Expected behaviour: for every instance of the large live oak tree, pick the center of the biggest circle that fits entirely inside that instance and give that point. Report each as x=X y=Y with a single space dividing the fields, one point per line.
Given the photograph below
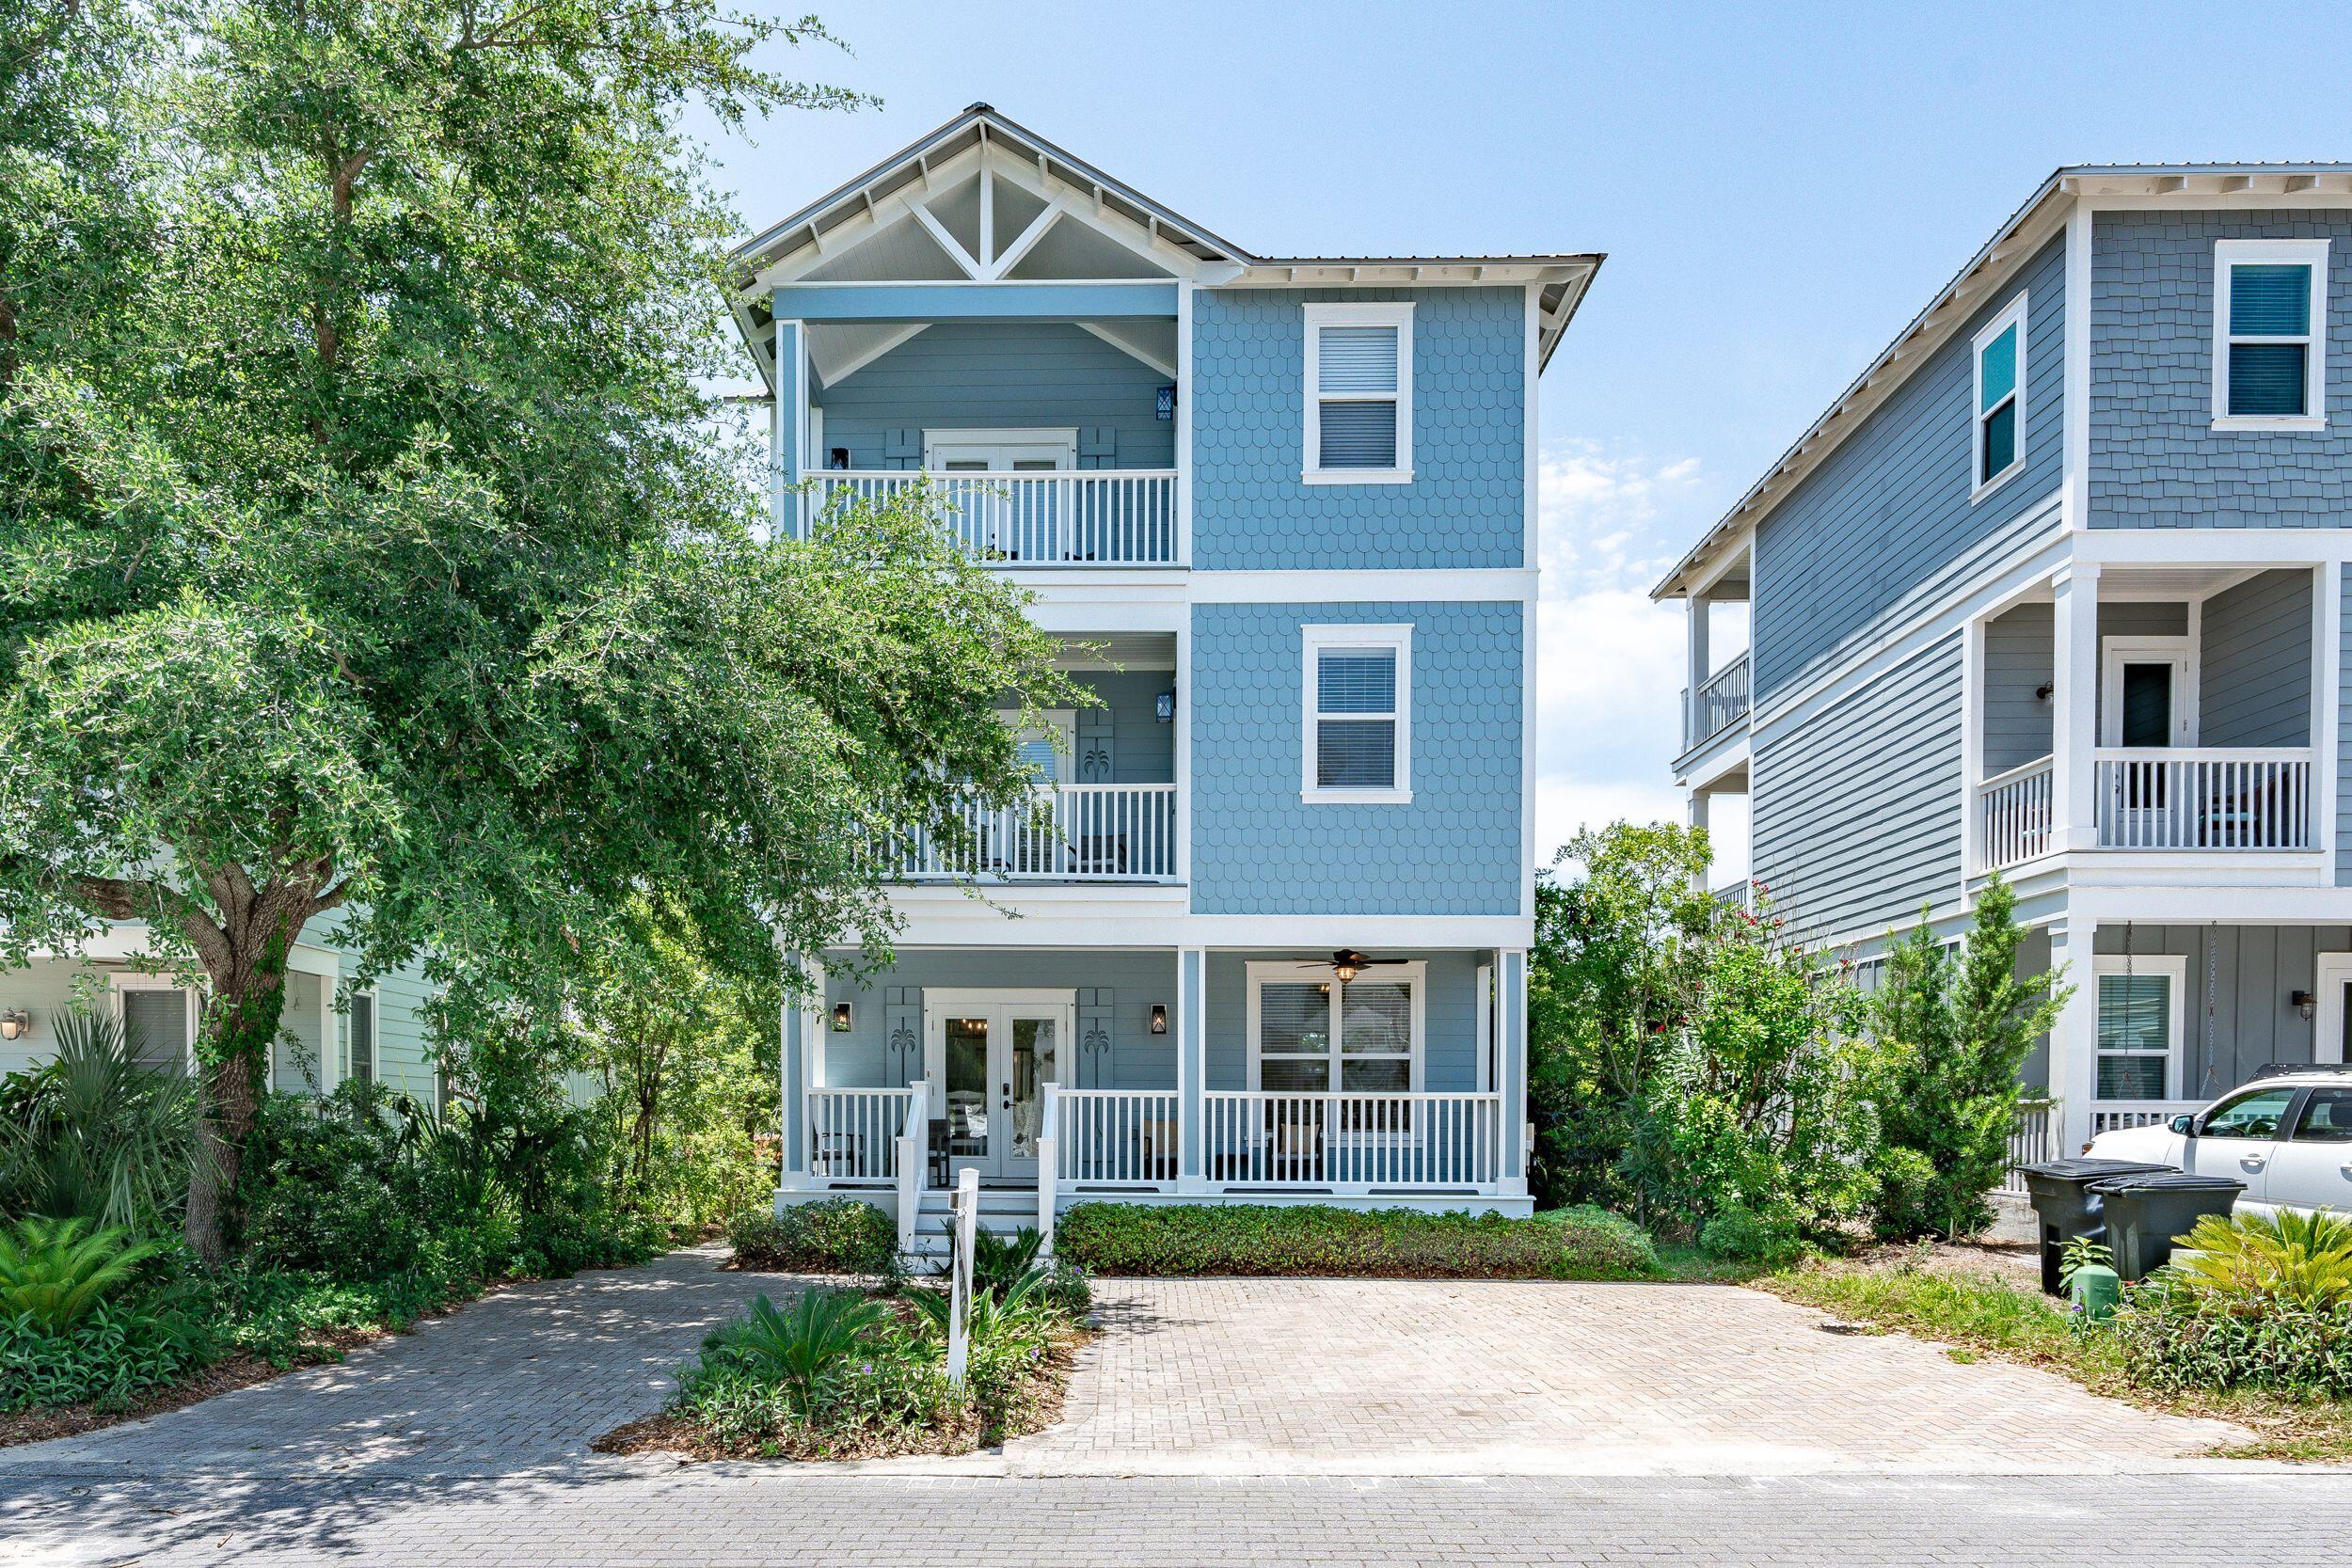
x=372 y=550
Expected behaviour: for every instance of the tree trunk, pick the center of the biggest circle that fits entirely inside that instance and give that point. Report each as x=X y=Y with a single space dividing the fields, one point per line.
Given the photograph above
x=241 y=1019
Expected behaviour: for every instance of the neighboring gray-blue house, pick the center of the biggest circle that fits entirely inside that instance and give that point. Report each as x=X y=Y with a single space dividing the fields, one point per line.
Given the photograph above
x=1271 y=938
x=2056 y=590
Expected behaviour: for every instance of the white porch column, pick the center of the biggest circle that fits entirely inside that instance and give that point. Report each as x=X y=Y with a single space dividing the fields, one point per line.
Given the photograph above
x=1702 y=801
x=1511 y=1004
x=788 y=431
x=2074 y=716
x=1701 y=666
x=2075 y=1037
x=803 y=1039
x=1192 y=968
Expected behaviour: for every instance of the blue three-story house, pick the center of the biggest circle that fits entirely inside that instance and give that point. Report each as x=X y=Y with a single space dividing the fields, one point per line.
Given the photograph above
x=1270 y=942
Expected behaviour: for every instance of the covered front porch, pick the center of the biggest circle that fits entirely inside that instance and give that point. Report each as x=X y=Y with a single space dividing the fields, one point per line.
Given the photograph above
x=1162 y=1075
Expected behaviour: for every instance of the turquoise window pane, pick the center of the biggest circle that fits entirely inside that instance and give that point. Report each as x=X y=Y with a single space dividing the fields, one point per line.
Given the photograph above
x=2268 y=378
x=2270 y=300
x=2000 y=441
x=1996 y=370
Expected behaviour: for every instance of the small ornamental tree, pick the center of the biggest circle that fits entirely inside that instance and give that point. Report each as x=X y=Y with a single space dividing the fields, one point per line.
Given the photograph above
x=1953 y=1027
x=372 y=551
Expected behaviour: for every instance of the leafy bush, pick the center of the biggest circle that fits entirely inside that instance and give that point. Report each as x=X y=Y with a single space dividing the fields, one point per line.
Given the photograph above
x=112 y=1354
x=2260 y=1300
x=54 y=1272
x=1265 y=1239
x=2256 y=1262
x=94 y=1133
x=798 y=1349
x=836 y=1235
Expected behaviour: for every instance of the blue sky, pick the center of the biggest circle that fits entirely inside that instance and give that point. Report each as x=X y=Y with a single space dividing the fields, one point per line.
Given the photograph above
x=1778 y=190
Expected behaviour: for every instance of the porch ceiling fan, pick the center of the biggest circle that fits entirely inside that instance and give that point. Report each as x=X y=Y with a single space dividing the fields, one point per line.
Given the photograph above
x=1347 y=962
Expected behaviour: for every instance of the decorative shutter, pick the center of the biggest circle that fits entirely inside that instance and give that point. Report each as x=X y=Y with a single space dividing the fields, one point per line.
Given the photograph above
x=902 y=448
x=1095 y=1034
x=1098 y=447
x=1095 y=761
x=902 y=1035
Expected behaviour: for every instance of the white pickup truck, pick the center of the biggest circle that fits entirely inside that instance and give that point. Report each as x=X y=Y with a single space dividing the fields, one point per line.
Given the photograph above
x=2287 y=1135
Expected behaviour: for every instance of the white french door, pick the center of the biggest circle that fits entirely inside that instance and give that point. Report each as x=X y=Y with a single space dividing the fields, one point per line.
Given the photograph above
x=988 y=1054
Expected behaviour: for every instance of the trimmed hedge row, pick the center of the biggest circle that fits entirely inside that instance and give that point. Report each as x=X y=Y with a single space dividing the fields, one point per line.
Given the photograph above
x=835 y=1235
x=1401 y=1243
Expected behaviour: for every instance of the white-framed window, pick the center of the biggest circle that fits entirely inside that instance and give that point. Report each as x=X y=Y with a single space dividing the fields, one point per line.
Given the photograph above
x=1996 y=442
x=1358 y=718
x=1360 y=394
x=359 y=1057
x=2269 y=334
x=2140 y=1001
x=158 y=1016
x=1310 y=1032
x=1050 y=750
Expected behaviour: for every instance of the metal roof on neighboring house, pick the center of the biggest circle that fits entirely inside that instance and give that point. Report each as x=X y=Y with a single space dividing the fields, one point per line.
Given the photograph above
x=1997 y=260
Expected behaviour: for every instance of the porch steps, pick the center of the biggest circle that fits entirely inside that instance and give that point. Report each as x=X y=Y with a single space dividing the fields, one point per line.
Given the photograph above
x=1003 y=1211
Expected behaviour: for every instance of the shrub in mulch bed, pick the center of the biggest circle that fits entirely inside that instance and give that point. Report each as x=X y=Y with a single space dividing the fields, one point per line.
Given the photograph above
x=835 y=1235
x=1318 y=1240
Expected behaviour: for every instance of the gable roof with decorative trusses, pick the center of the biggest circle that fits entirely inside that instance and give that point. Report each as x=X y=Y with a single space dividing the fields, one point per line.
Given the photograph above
x=983 y=200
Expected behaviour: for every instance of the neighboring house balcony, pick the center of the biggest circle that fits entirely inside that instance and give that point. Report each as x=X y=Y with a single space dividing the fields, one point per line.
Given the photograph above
x=1722 y=701
x=1720 y=695
x=2168 y=714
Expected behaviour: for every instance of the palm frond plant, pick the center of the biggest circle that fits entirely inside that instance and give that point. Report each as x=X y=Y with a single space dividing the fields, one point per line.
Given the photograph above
x=99 y=1134
x=800 y=1346
x=2243 y=1262
x=56 y=1271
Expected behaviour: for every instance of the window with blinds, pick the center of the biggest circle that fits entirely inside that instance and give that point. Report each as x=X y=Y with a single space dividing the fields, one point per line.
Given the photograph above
x=2135 y=1035
x=155 y=1027
x=1359 y=393
x=1355 y=718
x=2269 y=315
x=1998 y=442
x=363 y=1036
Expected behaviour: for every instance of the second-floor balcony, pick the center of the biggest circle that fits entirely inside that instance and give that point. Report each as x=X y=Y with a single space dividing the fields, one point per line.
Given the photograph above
x=1722 y=701
x=1045 y=517
x=2195 y=722
x=1069 y=832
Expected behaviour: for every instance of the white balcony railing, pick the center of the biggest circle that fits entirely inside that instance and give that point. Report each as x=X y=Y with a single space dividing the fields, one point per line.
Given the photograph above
x=1722 y=702
x=1116 y=1137
x=1352 y=1142
x=1070 y=833
x=2013 y=814
x=1064 y=518
x=853 y=1133
x=2108 y=1116
x=2204 y=798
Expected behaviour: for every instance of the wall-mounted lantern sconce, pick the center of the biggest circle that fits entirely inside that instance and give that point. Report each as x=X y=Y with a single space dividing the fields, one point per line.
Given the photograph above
x=2042 y=693
x=13 y=1023
x=1159 y=1018
x=1164 y=403
x=1164 y=707
x=2305 y=1004
x=841 y=1018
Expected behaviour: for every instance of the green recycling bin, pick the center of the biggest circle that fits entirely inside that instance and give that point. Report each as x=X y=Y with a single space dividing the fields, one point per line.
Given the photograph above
x=2147 y=1212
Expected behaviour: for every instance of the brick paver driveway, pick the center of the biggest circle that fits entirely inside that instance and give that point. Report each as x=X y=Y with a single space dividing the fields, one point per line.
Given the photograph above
x=1216 y=1377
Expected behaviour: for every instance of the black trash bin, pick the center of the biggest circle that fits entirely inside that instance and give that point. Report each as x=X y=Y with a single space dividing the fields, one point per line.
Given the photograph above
x=2066 y=1206
x=2145 y=1211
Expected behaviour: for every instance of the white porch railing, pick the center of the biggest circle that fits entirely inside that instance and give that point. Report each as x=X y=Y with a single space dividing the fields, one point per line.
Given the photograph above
x=1065 y=517
x=2107 y=1116
x=2204 y=798
x=1116 y=1137
x=853 y=1133
x=2013 y=814
x=2032 y=1139
x=1073 y=834
x=1720 y=702
x=1352 y=1142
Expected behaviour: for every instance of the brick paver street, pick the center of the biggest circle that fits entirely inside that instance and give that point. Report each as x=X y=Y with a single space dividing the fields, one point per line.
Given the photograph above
x=1213 y=1421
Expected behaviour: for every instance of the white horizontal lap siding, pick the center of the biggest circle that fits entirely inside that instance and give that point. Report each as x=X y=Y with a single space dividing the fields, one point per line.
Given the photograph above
x=2255 y=684
x=403 y=1058
x=1854 y=819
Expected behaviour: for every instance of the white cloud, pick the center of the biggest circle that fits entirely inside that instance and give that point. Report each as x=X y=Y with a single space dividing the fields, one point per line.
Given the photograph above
x=1612 y=662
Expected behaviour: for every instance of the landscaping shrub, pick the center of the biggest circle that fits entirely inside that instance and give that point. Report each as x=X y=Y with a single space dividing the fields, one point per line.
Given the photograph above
x=108 y=1358
x=92 y=1133
x=54 y=1272
x=835 y=1235
x=1266 y=1239
x=2259 y=1300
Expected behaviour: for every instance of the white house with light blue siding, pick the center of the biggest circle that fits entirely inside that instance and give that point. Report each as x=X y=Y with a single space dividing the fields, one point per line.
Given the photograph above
x=1268 y=937
x=2056 y=590
x=329 y=1031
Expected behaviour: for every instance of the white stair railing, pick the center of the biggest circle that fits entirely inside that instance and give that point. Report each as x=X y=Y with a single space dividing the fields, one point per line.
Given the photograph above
x=1062 y=518
x=915 y=1135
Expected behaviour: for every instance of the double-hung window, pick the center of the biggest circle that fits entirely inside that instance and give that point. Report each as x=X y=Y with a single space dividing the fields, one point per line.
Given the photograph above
x=1360 y=394
x=2140 y=1026
x=1997 y=445
x=1310 y=1032
x=362 y=1066
x=2269 y=334
x=1357 y=725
